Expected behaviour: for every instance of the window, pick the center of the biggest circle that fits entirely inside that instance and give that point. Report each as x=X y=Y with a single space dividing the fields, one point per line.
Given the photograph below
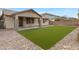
x=30 y=20
x=44 y=20
x=27 y=20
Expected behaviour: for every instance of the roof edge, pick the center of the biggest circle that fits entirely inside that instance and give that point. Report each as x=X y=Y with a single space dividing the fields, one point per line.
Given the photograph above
x=27 y=10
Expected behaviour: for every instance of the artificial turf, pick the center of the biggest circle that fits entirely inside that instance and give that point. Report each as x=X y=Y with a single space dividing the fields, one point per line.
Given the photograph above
x=48 y=36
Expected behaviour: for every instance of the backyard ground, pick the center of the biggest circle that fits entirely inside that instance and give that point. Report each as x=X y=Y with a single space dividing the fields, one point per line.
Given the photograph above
x=48 y=36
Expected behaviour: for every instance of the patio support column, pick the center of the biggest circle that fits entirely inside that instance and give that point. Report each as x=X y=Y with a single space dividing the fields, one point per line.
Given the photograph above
x=39 y=22
x=16 y=22
x=24 y=21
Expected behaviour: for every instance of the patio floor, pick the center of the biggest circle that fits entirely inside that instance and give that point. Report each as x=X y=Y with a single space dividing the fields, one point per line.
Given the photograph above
x=11 y=40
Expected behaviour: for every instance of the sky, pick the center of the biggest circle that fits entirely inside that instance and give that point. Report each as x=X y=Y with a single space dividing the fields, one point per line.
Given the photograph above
x=68 y=12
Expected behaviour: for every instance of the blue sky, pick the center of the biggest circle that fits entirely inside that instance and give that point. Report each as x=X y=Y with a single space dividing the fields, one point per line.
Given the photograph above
x=68 y=12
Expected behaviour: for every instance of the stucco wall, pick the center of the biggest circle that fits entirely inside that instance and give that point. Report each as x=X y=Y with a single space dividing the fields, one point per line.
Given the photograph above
x=9 y=22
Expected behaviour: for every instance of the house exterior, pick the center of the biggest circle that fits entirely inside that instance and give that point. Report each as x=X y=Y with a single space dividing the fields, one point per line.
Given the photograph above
x=49 y=16
x=22 y=19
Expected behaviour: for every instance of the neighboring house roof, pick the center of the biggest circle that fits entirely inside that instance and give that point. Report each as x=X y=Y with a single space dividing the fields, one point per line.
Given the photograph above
x=9 y=12
x=48 y=15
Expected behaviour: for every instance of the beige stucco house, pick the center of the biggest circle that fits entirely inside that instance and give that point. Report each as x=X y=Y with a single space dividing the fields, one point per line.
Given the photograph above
x=22 y=19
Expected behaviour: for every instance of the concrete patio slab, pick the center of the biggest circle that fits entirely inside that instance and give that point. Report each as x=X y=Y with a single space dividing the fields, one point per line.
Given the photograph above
x=11 y=40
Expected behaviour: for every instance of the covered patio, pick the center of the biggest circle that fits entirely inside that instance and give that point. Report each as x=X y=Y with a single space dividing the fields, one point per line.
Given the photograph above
x=27 y=22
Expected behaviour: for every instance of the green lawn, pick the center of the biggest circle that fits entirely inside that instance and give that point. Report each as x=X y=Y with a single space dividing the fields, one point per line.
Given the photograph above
x=47 y=37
